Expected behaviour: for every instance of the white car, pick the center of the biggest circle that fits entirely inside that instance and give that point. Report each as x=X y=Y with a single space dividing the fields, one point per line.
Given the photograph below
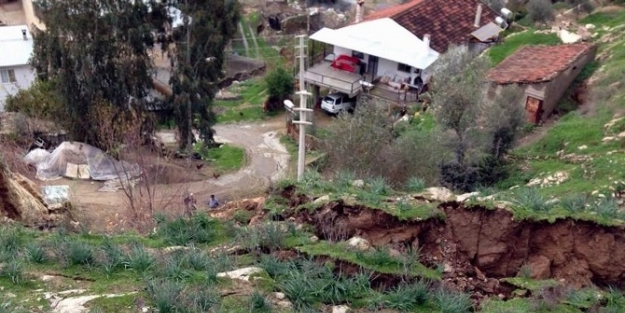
x=337 y=102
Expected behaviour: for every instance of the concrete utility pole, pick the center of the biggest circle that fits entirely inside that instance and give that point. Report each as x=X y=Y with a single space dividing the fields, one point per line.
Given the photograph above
x=303 y=93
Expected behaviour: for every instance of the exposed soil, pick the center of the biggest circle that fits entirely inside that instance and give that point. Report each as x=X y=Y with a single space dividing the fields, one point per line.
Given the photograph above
x=483 y=244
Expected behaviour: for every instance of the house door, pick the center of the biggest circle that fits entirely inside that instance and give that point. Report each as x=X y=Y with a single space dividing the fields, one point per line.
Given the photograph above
x=373 y=66
x=534 y=109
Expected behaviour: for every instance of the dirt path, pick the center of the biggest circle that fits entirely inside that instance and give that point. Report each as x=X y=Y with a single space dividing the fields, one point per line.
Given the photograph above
x=267 y=159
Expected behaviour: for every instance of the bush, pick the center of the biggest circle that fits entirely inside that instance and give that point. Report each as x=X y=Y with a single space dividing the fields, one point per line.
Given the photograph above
x=201 y=299
x=199 y=229
x=243 y=217
x=174 y=268
x=139 y=259
x=76 y=252
x=165 y=295
x=280 y=84
x=41 y=100
x=198 y=260
x=415 y=184
x=530 y=199
x=259 y=304
x=452 y=302
x=540 y=11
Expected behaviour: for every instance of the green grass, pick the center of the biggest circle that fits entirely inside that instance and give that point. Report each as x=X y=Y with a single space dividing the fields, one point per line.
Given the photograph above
x=378 y=262
x=513 y=42
x=524 y=305
x=226 y=158
x=530 y=284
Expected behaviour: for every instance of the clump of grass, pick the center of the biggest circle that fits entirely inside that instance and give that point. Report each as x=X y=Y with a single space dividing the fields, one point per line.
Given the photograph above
x=269 y=236
x=259 y=304
x=198 y=260
x=607 y=208
x=311 y=181
x=199 y=229
x=415 y=184
x=165 y=295
x=407 y=297
x=379 y=186
x=344 y=179
x=10 y=240
x=201 y=299
x=140 y=260
x=242 y=217
x=530 y=199
x=274 y=267
x=574 y=203
x=35 y=253
x=174 y=269
x=525 y=272
x=452 y=302
x=14 y=271
x=112 y=257
x=75 y=252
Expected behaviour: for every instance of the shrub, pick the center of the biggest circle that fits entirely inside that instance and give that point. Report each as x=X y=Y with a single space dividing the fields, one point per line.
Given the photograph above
x=10 y=240
x=452 y=302
x=407 y=297
x=201 y=299
x=298 y=289
x=14 y=271
x=274 y=267
x=540 y=11
x=39 y=101
x=243 y=217
x=280 y=84
x=268 y=236
x=174 y=269
x=35 y=253
x=113 y=257
x=607 y=208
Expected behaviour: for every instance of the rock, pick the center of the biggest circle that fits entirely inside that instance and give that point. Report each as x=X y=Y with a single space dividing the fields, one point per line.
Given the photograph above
x=568 y=37
x=438 y=194
x=241 y=274
x=608 y=138
x=612 y=122
x=284 y=304
x=341 y=309
x=447 y=268
x=313 y=239
x=175 y=248
x=10 y=295
x=359 y=243
x=584 y=33
x=322 y=200
x=279 y=295
x=540 y=267
x=47 y=277
x=466 y=196
x=582 y=147
x=590 y=26
x=394 y=253
x=358 y=183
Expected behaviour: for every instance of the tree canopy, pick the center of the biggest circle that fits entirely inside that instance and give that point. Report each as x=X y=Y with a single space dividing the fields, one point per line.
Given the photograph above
x=98 y=54
x=197 y=50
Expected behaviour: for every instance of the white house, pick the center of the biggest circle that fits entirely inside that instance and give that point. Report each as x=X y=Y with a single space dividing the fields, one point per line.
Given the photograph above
x=391 y=50
x=16 y=49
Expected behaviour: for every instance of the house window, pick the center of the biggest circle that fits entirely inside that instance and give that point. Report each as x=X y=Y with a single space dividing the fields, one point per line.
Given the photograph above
x=7 y=76
x=403 y=67
x=359 y=55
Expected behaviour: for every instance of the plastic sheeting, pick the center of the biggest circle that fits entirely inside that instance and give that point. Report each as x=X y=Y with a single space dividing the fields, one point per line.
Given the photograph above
x=70 y=155
x=36 y=156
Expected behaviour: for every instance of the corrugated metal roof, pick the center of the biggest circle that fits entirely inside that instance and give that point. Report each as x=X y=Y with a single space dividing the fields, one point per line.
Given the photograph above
x=487 y=31
x=14 y=50
x=383 y=38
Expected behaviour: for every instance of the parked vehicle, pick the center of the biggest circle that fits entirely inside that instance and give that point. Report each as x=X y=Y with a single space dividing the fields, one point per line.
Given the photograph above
x=338 y=102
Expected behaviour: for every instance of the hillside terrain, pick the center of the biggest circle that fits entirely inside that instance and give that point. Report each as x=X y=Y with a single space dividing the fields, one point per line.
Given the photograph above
x=548 y=238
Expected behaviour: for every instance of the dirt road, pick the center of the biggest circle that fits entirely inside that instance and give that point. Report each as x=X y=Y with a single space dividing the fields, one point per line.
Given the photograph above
x=267 y=160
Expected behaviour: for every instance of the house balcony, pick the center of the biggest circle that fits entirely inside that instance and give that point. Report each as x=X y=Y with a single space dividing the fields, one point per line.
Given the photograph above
x=396 y=92
x=324 y=75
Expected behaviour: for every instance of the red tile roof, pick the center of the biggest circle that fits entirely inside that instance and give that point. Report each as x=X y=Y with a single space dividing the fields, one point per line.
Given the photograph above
x=447 y=21
x=534 y=64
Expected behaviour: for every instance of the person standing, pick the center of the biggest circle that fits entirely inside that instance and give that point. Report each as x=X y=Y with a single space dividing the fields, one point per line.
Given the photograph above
x=189 y=204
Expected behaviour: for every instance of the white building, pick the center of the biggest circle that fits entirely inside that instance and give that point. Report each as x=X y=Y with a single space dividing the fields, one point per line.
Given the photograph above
x=16 y=48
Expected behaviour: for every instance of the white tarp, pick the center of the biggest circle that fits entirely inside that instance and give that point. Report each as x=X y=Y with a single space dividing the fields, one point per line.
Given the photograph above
x=36 y=156
x=80 y=160
x=55 y=195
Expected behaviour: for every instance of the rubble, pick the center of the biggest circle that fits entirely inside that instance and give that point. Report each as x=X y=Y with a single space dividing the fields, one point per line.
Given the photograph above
x=555 y=179
x=359 y=243
x=241 y=274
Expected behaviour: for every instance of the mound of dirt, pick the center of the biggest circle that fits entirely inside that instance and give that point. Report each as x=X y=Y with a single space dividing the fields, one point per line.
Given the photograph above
x=20 y=201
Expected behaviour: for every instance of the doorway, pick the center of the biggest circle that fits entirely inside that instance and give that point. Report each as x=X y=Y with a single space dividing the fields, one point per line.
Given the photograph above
x=534 y=109
x=373 y=66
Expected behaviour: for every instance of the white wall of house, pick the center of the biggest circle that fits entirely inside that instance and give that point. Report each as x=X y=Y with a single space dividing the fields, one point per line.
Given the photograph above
x=24 y=76
x=385 y=67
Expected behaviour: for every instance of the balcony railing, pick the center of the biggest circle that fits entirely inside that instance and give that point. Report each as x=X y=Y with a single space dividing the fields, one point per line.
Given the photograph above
x=323 y=74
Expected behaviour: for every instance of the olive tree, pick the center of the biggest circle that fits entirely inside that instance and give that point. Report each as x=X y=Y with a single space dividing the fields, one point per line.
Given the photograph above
x=480 y=123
